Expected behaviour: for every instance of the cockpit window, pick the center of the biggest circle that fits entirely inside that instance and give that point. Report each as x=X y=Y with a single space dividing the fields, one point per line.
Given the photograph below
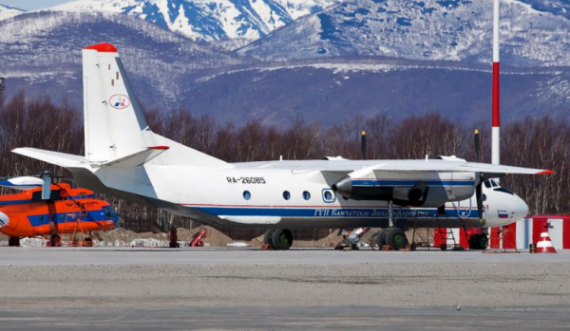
x=494 y=183
x=487 y=184
x=109 y=212
x=502 y=189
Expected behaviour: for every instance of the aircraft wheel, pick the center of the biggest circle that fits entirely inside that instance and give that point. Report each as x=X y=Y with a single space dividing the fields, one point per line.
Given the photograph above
x=396 y=238
x=55 y=240
x=381 y=238
x=267 y=237
x=282 y=239
x=443 y=247
x=14 y=242
x=478 y=241
x=482 y=241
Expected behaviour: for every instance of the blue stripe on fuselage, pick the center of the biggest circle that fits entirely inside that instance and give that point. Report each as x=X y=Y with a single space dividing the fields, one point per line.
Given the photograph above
x=398 y=182
x=19 y=202
x=334 y=212
x=92 y=216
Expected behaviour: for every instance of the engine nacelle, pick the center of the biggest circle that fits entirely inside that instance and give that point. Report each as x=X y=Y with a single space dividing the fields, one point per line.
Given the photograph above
x=432 y=192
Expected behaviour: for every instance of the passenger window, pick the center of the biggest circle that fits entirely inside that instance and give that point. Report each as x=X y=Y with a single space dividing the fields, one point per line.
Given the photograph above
x=306 y=195
x=286 y=195
x=246 y=195
x=328 y=196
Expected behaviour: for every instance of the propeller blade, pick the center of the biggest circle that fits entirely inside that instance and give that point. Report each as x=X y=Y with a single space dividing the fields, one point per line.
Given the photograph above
x=363 y=145
x=479 y=196
x=477 y=147
x=46 y=189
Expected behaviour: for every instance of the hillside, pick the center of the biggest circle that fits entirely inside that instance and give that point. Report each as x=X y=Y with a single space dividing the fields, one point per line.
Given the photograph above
x=458 y=30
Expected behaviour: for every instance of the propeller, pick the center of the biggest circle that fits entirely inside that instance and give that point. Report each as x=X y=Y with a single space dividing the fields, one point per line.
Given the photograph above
x=363 y=145
x=479 y=187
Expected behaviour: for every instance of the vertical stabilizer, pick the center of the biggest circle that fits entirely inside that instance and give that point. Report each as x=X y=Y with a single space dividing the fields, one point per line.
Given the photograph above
x=114 y=121
x=115 y=126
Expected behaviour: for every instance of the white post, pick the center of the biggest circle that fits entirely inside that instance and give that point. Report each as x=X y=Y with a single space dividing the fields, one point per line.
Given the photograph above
x=496 y=133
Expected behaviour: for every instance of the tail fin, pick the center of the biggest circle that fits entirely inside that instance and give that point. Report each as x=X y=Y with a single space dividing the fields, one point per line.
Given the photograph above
x=115 y=126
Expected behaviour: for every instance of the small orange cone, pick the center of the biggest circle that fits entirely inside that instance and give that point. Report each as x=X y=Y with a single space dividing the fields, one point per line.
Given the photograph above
x=545 y=244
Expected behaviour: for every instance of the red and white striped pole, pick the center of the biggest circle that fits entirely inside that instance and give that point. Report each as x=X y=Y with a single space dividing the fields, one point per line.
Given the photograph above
x=496 y=133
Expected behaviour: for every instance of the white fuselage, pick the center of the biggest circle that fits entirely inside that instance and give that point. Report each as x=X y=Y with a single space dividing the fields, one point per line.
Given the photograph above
x=255 y=195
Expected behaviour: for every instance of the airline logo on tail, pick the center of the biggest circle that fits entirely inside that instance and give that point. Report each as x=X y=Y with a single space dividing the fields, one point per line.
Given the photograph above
x=119 y=101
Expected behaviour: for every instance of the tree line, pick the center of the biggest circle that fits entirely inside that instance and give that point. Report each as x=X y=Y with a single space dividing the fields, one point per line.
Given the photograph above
x=530 y=142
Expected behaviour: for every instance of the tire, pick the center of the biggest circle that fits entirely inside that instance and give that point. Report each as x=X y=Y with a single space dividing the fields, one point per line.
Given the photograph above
x=478 y=241
x=267 y=237
x=413 y=246
x=14 y=242
x=281 y=239
x=55 y=240
x=396 y=238
x=443 y=247
x=381 y=238
x=482 y=241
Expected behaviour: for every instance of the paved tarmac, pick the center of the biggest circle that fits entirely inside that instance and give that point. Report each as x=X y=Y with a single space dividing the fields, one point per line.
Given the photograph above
x=33 y=256
x=301 y=289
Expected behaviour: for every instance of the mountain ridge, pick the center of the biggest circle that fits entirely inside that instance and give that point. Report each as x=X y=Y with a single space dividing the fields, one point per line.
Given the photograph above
x=209 y=20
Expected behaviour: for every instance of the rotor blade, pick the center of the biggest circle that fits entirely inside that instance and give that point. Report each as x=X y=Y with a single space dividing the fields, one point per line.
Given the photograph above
x=477 y=147
x=479 y=196
x=46 y=189
x=363 y=145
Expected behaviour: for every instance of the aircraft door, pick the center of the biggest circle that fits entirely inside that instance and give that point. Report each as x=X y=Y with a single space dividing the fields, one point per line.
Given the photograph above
x=463 y=208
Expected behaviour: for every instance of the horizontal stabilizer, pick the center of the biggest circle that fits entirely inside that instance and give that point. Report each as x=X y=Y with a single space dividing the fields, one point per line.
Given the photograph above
x=137 y=159
x=60 y=159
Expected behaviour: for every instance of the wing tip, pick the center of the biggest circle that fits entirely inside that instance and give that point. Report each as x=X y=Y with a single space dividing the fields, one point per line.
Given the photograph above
x=546 y=172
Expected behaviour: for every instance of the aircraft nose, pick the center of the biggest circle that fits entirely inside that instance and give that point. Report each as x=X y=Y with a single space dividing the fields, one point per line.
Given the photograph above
x=4 y=220
x=520 y=209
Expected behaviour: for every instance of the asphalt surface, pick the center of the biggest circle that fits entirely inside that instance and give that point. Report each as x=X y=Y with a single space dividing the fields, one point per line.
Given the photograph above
x=301 y=289
x=32 y=256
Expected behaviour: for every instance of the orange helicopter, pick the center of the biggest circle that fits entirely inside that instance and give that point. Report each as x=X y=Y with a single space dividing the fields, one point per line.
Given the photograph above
x=50 y=210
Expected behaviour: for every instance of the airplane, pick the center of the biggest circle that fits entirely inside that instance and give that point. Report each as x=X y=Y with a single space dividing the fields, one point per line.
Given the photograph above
x=124 y=158
x=28 y=214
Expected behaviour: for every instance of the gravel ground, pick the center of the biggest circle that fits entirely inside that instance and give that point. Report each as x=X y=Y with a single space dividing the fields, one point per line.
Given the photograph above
x=393 y=284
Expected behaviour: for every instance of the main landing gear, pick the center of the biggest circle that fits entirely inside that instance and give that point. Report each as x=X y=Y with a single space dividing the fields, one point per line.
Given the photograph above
x=393 y=237
x=14 y=242
x=54 y=240
x=278 y=239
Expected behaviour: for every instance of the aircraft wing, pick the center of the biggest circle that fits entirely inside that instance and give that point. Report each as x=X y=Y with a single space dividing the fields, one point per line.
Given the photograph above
x=492 y=170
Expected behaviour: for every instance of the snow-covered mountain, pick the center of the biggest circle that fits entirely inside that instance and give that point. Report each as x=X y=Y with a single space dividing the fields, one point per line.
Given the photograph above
x=41 y=54
x=8 y=11
x=209 y=20
x=450 y=30
x=355 y=58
